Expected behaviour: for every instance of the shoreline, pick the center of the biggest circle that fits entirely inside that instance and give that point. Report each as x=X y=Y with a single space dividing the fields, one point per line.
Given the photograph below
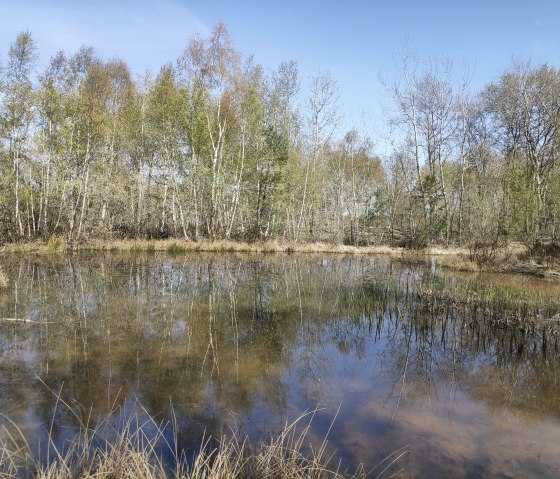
x=508 y=260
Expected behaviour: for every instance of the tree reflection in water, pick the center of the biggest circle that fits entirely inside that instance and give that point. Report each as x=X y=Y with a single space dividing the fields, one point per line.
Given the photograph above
x=248 y=342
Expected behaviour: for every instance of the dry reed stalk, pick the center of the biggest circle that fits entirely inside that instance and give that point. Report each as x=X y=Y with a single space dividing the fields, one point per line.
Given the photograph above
x=134 y=451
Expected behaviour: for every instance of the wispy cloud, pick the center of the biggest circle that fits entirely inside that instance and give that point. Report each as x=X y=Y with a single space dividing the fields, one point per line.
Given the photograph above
x=144 y=33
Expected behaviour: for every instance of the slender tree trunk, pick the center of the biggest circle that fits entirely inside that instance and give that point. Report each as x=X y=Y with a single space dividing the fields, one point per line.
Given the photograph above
x=445 y=202
x=17 y=212
x=163 y=207
x=84 y=203
x=237 y=191
x=303 y=204
x=195 y=197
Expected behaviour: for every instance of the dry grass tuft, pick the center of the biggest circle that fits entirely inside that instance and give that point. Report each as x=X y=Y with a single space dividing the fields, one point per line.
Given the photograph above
x=131 y=452
x=457 y=263
x=3 y=280
x=20 y=248
x=56 y=244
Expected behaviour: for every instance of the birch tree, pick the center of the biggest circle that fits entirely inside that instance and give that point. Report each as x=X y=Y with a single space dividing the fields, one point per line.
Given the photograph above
x=17 y=110
x=210 y=67
x=524 y=107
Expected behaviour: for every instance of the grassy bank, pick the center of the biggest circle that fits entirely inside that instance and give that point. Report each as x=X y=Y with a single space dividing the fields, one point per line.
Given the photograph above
x=174 y=246
x=180 y=246
x=513 y=258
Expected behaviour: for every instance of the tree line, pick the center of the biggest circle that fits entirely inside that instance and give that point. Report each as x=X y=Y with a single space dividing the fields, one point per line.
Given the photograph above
x=215 y=147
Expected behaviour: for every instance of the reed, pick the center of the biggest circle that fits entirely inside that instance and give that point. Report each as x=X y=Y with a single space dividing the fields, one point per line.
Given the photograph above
x=135 y=450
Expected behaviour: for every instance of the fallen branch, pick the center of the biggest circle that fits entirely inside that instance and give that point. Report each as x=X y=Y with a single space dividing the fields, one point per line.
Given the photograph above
x=26 y=320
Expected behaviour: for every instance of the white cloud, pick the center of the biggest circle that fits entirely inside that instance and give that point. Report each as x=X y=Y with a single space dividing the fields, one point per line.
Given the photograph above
x=146 y=34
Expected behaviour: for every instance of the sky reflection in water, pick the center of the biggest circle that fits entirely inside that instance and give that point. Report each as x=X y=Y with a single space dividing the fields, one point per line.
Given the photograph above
x=410 y=358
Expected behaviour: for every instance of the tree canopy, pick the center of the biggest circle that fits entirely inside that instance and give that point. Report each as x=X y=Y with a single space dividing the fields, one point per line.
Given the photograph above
x=214 y=146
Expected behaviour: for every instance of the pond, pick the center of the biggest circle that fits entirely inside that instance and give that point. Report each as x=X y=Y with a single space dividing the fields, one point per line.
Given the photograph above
x=450 y=375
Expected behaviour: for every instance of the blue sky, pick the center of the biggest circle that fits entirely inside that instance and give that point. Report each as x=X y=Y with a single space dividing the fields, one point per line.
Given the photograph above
x=355 y=40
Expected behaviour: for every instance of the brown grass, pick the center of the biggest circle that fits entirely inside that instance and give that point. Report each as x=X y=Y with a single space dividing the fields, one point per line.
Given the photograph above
x=57 y=244
x=180 y=246
x=509 y=260
x=457 y=262
x=3 y=280
x=133 y=453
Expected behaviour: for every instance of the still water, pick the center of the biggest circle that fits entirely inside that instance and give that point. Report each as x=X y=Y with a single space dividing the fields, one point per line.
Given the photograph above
x=402 y=357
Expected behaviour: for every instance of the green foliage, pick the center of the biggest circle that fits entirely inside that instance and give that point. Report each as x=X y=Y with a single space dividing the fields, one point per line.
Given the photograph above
x=552 y=208
x=435 y=224
x=523 y=212
x=56 y=244
x=215 y=148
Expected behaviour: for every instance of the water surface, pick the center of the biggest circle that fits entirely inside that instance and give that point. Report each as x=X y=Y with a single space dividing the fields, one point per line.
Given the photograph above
x=447 y=367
